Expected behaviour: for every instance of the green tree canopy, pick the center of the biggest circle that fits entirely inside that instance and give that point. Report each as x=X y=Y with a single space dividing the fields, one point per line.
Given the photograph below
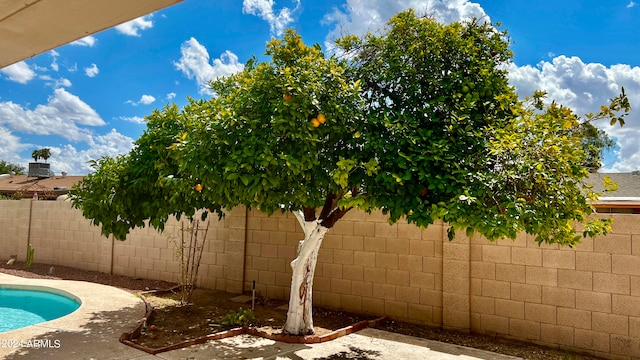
x=419 y=122
x=7 y=168
x=595 y=142
x=44 y=153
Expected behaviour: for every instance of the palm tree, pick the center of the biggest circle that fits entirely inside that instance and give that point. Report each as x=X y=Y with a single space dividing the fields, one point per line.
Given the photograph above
x=45 y=153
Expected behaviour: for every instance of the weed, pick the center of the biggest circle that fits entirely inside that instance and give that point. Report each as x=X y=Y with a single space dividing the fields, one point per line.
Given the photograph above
x=238 y=318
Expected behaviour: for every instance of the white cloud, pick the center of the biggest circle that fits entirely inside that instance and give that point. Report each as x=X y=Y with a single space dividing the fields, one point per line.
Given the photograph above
x=171 y=95
x=55 y=83
x=631 y=4
x=110 y=144
x=144 y=99
x=264 y=9
x=63 y=115
x=194 y=63
x=134 y=119
x=147 y=99
x=133 y=27
x=63 y=82
x=360 y=16
x=69 y=159
x=37 y=68
x=584 y=87
x=85 y=41
x=92 y=70
x=10 y=146
x=54 y=63
x=19 y=72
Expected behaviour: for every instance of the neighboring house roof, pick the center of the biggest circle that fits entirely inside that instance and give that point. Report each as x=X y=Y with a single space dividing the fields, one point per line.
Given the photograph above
x=628 y=184
x=31 y=27
x=627 y=194
x=47 y=188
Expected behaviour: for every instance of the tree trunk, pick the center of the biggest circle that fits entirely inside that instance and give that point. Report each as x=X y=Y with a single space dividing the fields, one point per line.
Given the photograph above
x=299 y=316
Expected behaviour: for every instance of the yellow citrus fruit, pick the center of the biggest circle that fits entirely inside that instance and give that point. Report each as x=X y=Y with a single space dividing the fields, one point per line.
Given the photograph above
x=198 y=187
x=321 y=118
x=315 y=122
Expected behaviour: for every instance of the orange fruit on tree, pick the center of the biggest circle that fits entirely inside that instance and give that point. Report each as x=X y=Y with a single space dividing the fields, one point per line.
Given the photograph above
x=287 y=97
x=198 y=187
x=321 y=118
x=315 y=122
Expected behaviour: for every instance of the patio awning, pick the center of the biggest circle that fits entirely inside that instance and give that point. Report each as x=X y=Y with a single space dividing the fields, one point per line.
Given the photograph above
x=31 y=27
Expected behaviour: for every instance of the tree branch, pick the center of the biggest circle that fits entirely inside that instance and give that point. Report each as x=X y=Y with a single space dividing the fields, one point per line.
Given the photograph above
x=335 y=215
x=328 y=206
x=309 y=213
x=300 y=217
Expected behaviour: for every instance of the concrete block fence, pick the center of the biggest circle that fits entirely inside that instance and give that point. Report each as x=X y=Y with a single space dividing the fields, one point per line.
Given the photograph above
x=585 y=299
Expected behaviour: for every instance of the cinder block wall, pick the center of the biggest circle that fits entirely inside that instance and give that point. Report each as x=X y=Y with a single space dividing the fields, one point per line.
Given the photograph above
x=14 y=228
x=585 y=299
x=364 y=265
x=152 y=255
x=62 y=236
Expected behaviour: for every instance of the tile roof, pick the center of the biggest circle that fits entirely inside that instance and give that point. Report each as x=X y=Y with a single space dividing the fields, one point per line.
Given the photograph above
x=55 y=185
x=628 y=184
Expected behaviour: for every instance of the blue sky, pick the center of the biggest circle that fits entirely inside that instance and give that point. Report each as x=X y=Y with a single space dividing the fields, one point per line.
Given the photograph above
x=88 y=99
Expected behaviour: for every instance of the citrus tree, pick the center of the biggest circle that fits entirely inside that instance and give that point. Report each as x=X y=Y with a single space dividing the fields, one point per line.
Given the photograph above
x=142 y=187
x=419 y=122
x=455 y=144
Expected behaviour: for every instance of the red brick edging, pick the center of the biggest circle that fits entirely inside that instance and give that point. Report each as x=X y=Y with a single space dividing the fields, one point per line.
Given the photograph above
x=129 y=337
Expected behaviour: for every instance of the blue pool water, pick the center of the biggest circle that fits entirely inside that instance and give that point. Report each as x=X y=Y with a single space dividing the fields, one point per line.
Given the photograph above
x=24 y=307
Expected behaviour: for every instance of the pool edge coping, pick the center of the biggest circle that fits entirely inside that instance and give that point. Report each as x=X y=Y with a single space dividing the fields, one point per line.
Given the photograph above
x=72 y=327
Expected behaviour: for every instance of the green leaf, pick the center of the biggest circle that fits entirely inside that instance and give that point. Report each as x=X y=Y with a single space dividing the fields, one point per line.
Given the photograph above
x=451 y=233
x=245 y=179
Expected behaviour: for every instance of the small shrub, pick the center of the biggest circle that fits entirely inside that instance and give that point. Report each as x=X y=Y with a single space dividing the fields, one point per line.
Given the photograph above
x=238 y=318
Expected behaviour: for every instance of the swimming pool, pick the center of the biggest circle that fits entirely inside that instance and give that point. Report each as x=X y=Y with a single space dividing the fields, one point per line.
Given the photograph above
x=22 y=306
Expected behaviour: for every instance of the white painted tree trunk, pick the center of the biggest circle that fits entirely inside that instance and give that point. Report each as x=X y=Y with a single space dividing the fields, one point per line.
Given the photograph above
x=299 y=316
